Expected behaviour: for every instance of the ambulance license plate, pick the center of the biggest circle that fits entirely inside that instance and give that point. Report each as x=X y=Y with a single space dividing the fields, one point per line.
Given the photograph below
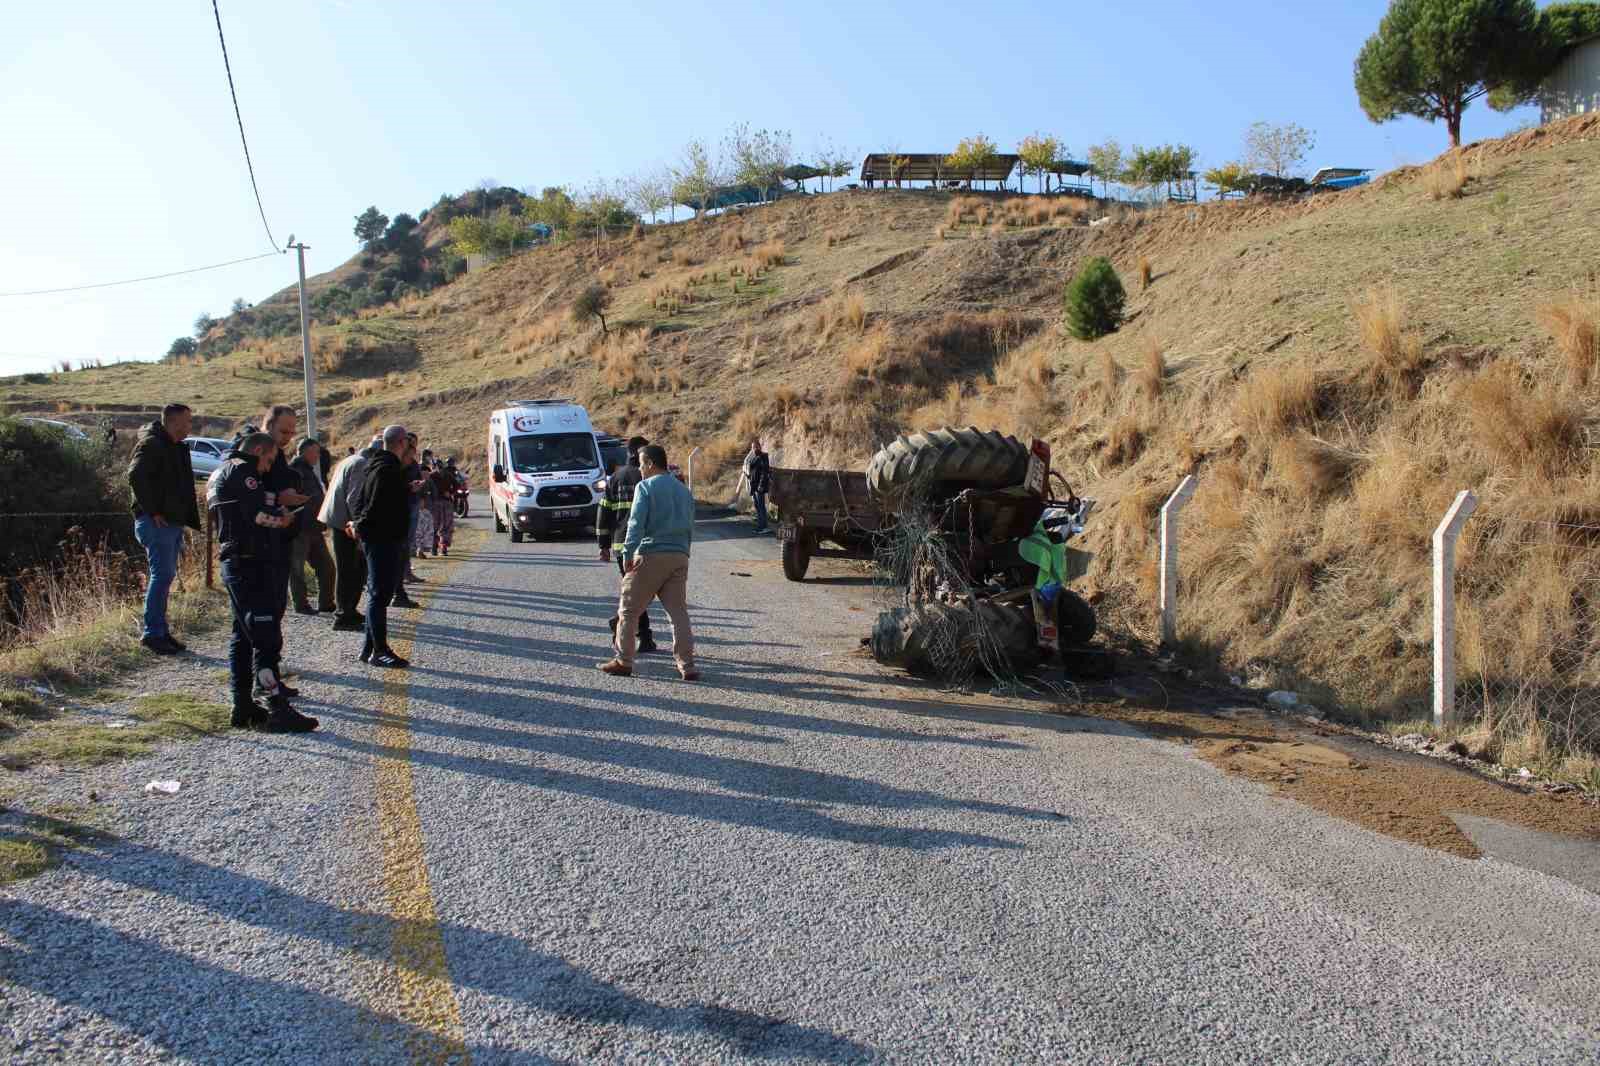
x=570 y=513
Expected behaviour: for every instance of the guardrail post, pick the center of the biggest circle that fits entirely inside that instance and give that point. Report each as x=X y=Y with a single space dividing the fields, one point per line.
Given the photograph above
x=1169 y=558
x=1444 y=606
x=694 y=452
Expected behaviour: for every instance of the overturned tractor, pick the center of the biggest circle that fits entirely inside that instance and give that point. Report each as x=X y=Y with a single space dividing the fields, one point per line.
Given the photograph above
x=969 y=529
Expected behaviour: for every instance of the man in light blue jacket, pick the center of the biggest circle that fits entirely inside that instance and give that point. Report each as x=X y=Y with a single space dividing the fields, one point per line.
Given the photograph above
x=655 y=558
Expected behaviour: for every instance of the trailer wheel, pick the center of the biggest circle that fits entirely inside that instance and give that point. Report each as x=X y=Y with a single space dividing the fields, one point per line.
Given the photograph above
x=969 y=456
x=1075 y=621
x=797 y=557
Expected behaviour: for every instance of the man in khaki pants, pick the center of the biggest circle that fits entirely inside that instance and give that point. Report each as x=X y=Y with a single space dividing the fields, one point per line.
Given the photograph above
x=655 y=557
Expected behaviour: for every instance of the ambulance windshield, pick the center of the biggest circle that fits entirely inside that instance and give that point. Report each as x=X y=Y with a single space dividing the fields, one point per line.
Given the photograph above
x=553 y=453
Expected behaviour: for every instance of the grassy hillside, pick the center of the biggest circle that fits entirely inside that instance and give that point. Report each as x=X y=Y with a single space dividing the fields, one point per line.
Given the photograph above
x=1333 y=370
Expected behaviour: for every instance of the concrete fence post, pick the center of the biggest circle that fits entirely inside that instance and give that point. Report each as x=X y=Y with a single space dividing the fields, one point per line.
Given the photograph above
x=1444 y=606
x=692 y=453
x=1169 y=558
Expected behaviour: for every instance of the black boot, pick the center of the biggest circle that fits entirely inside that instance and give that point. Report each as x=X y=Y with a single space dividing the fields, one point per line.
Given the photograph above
x=248 y=714
x=282 y=718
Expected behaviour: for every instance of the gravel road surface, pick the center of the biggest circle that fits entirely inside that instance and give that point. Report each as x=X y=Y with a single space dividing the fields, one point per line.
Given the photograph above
x=506 y=856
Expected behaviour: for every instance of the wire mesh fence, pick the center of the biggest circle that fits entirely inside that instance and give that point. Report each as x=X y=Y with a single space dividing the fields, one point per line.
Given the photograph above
x=1528 y=633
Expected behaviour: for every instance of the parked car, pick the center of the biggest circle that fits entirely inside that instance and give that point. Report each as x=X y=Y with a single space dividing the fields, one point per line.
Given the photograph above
x=74 y=432
x=206 y=454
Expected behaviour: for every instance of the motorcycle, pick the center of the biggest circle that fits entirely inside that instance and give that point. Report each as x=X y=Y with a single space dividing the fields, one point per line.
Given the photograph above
x=461 y=496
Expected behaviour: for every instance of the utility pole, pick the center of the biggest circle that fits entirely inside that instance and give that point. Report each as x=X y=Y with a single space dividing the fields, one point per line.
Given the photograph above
x=305 y=344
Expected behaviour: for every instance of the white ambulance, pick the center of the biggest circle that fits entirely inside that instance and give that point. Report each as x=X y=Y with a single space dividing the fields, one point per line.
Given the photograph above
x=543 y=464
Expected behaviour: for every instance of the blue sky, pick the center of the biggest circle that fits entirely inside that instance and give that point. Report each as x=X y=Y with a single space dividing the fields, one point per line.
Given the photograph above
x=122 y=158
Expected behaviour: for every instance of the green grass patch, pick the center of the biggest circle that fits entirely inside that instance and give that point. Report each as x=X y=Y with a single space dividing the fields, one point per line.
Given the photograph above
x=30 y=844
x=73 y=741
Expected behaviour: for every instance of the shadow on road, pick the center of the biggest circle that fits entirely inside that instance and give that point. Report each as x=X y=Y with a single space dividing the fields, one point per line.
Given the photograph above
x=77 y=961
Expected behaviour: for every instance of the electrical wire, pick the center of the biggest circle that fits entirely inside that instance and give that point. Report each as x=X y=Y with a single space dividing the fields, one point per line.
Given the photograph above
x=240 y=119
x=134 y=281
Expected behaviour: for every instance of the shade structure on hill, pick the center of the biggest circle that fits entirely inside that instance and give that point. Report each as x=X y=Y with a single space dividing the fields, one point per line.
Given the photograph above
x=930 y=166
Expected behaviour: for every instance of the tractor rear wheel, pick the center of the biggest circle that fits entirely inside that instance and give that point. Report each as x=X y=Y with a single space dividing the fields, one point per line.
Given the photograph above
x=967 y=457
x=797 y=557
x=939 y=640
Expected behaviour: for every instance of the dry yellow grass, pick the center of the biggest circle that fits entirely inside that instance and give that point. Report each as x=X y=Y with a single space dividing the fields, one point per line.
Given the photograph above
x=1526 y=430
x=1446 y=179
x=1274 y=400
x=1144 y=273
x=1151 y=377
x=1396 y=360
x=1574 y=324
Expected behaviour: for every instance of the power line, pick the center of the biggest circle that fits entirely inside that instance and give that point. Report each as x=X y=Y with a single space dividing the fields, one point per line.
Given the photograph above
x=240 y=119
x=147 y=277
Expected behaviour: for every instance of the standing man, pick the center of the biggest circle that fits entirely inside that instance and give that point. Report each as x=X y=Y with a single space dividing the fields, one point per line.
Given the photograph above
x=283 y=488
x=611 y=527
x=249 y=532
x=760 y=470
x=349 y=561
x=656 y=555
x=381 y=520
x=162 y=483
x=443 y=502
x=413 y=476
x=309 y=545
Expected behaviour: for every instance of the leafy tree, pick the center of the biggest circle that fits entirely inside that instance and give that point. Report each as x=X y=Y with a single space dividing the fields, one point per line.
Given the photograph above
x=553 y=207
x=1094 y=300
x=758 y=157
x=370 y=226
x=649 y=192
x=591 y=303
x=1557 y=29
x=1276 y=150
x=972 y=154
x=1038 y=155
x=1105 y=161
x=1161 y=165
x=202 y=324
x=833 y=161
x=238 y=305
x=1229 y=178
x=1432 y=58
x=181 y=347
x=696 y=177
x=471 y=234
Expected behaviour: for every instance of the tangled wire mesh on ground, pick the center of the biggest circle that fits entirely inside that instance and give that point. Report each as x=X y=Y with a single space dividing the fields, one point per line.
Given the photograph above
x=937 y=622
x=1528 y=635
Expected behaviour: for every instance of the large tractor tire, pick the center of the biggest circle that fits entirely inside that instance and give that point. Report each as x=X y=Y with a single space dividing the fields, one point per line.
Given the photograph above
x=797 y=557
x=967 y=457
x=938 y=640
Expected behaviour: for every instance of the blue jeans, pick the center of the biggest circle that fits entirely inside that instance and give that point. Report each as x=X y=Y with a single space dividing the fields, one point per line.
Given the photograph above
x=161 y=544
x=760 y=499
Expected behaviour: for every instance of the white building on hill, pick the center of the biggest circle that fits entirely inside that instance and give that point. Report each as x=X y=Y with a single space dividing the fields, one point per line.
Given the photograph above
x=1573 y=88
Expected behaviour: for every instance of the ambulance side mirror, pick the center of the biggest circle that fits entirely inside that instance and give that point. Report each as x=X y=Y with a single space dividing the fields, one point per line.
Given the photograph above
x=499 y=474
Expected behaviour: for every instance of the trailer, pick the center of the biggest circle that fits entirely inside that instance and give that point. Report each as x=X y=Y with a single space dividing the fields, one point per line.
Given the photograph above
x=823 y=506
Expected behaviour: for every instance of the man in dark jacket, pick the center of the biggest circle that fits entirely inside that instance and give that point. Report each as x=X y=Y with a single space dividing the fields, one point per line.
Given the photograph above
x=759 y=469
x=309 y=547
x=249 y=528
x=611 y=525
x=162 y=482
x=381 y=517
x=349 y=562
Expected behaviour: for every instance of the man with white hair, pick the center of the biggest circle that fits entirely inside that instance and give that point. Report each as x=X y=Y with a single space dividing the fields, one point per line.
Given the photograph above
x=350 y=564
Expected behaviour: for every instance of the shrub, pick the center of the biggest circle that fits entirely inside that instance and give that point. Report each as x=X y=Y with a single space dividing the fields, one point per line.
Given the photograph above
x=592 y=302
x=43 y=470
x=1094 y=300
x=1574 y=324
x=1144 y=273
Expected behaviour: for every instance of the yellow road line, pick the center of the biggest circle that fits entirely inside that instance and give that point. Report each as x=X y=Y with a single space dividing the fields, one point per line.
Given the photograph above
x=418 y=984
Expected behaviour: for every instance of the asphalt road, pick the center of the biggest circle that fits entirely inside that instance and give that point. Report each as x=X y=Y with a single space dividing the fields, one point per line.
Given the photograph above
x=508 y=857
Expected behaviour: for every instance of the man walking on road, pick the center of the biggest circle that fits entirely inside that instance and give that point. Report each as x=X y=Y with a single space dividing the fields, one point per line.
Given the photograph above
x=349 y=561
x=655 y=556
x=612 y=526
x=309 y=547
x=381 y=517
x=758 y=469
x=162 y=482
x=249 y=533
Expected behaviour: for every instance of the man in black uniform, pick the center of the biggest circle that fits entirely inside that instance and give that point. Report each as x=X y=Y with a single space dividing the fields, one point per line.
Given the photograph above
x=611 y=526
x=283 y=483
x=249 y=531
